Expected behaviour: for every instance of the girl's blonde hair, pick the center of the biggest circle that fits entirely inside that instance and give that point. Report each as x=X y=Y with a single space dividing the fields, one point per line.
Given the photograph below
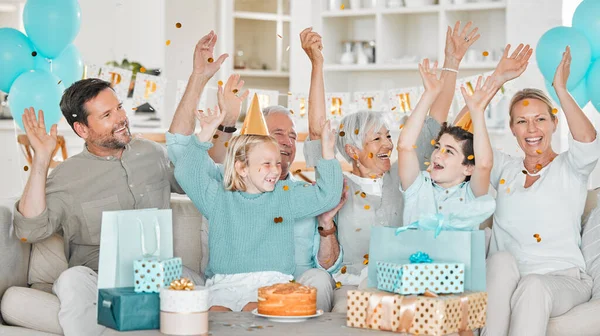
x=239 y=149
x=531 y=94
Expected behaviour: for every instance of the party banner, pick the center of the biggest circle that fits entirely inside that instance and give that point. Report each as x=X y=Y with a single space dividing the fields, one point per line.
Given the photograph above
x=120 y=79
x=265 y=97
x=370 y=100
x=401 y=102
x=298 y=106
x=150 y=89
x=92 y=71
x=337 y=105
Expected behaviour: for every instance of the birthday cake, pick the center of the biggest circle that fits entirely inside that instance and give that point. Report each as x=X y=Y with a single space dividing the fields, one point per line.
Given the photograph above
x=287 y=299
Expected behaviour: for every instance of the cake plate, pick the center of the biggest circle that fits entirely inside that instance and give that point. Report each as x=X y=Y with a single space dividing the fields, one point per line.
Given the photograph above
x=287 y=319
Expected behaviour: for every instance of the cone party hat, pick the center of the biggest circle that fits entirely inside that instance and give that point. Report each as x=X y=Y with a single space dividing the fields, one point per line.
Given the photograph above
x=465 y=122
x=254 y=123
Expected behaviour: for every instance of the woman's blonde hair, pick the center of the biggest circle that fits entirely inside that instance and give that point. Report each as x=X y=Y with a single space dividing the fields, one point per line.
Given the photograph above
x=531 y=94
x=239 y=149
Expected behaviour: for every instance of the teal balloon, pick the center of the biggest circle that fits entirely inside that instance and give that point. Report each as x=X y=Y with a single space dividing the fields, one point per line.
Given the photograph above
x=52 y=24
x=68 y=66
x=15 y=56
x=580 y=93
x=593 y=84
x=551 y=46
x=587 y=20
x=38 y=89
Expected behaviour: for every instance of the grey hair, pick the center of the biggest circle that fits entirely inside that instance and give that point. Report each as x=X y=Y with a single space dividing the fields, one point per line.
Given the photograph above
x=276 y=109
x=363 y=121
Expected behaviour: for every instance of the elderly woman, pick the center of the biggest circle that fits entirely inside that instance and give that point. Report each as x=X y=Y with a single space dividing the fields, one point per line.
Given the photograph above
x=536 y=269
x=373 y=195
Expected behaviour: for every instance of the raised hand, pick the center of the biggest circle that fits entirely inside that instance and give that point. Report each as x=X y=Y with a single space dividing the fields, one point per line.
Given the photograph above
x=431 y=82
x=563 y=70
x=230 y=99
x=312 y=44
x=43 y=144
x=458 y=41
x=477 y=102
x=511 y=67
x=328 y=141
x=204 y=62
x=209 y=121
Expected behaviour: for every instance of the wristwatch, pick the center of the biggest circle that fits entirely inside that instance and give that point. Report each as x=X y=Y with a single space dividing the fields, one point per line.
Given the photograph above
x=325 y=233
x=227 y=129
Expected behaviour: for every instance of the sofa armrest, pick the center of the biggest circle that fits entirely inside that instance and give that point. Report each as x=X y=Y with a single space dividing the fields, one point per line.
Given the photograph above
x=14 y=254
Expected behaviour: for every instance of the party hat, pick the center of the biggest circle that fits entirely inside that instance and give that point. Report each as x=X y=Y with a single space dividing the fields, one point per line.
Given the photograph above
x=255 y=121
x=465 y=122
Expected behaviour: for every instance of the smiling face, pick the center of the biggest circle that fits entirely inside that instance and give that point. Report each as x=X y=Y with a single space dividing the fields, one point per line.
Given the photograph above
x=532 y=124
x=281 y=127
x=375 y=155
x=263 y=168
x=448 y=166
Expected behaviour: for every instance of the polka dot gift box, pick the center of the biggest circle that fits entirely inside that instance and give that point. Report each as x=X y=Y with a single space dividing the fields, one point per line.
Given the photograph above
x=416 y=315
x=150 y=275
x=408 y=279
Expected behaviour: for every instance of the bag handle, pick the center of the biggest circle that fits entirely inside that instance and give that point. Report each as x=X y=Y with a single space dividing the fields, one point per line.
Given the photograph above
x=156 y=252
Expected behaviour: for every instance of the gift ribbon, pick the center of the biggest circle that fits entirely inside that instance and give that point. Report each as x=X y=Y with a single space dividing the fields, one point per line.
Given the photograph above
x=384 y=318
x=436 y=221
x=156 y=252
x=464 y=317
x=420 y=258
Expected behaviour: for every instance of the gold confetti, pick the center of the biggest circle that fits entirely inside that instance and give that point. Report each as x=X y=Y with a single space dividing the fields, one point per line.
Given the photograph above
x=342 y=133
x=226 y=144
x=60 y=81
x=415 y=146
x=443 y=150
x=366 y=256
x=363 y=195
x=342 y=6
x=235 y=91
x=508 y=190
x=298 y=171
x=286 y=188
x=393 y=108
x=23 y=239
x=358 y=230
x=34 y=53
x=142 y=69
x=291 y=111
x=341 y=126
x=370 y=155
x=278 y=219
x=338 y=284
x=486 y=54
x=502 y=181
x=289 y=93
x=215 y=136
x=536 y=235
x=554 y=110
x=355 y=157
x=367 y=207
x=426 y=163
x=366 y=262
x=25 y=168
x=538 y=166
x=401 y=126
x=292 y=281
x=538 y=151
x=279 y=36
x=178 y=25
x=373 y=176
x=357 y=192
x=168 y=42
x=433 y=142
x=343 y=270
x=134 y=109
x=525 y=102
x=470 y=157
x=539 y=240
x=356 y=131
x=220 y=83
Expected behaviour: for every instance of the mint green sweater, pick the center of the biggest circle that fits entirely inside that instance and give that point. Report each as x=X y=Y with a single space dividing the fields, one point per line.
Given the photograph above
x=250 y=232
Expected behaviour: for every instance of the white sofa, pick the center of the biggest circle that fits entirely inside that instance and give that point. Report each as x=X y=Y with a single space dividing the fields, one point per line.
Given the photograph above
x=38 y=265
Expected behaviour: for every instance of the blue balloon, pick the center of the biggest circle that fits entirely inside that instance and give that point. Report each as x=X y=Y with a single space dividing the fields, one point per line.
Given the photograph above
x=593 y=84
x=551 y=46
x=587 y=20
x=52 y=24
x=15 y=56
x=68 y=66
x=580 y=93
x=38 y=89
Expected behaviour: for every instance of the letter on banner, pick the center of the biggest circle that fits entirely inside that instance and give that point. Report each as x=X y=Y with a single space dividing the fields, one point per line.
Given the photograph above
x=297 y=105
x=150 y=89
x=368 y=100
x=119 y=79
x=337 y=103
x=91 y=71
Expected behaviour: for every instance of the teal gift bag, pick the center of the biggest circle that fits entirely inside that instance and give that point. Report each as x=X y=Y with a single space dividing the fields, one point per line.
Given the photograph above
x=464 y=247
x=123 y=309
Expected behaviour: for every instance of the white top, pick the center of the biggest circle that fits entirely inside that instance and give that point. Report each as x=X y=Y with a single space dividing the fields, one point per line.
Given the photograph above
x=541 y=225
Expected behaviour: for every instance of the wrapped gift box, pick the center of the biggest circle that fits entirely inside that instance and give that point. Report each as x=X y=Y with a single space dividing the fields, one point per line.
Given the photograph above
x=184 y=312
x=408 y=279
x=150 y=275
x=123 y=309
x=418 y=315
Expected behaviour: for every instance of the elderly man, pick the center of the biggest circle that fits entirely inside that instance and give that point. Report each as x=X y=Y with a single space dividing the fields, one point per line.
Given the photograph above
x=317 y=251
x=113 y=172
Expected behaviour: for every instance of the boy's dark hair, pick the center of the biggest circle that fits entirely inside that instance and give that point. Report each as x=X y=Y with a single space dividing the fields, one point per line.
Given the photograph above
x=73 y=100
x=465 y=138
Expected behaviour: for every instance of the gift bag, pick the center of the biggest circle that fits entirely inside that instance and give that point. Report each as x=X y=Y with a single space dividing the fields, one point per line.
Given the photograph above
x=150 y=272
x=121 y=241
x=464 y=247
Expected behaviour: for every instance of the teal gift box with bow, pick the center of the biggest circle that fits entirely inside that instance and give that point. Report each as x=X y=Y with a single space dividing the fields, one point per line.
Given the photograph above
x=420 y=276
x=151 y=273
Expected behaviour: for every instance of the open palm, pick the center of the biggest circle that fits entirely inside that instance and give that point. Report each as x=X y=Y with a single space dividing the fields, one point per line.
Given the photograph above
x=43 y=143
x=511 y=67
x=563 y=70
x=430 y=80
x=481 y=96
x=210 y=119
x=458 y=41
x=230 y=99
x=204 y=62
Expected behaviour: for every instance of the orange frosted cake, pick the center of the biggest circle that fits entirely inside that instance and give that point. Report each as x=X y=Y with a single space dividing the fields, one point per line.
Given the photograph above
x=287 y=299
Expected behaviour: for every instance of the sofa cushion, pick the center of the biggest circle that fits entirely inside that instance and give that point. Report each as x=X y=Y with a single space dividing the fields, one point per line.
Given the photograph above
x=47 y=261
x=590 y=247
x=581 y=321
x=31 y=308
x=187 y=233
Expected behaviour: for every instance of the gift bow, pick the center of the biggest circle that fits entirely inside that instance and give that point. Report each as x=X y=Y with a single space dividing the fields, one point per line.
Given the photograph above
x=182 y=284
x=426 y=222
x=420 y=258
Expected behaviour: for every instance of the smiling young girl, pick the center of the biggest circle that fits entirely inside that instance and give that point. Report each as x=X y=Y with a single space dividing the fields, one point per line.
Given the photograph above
x=250 y=212
x=460 y=165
